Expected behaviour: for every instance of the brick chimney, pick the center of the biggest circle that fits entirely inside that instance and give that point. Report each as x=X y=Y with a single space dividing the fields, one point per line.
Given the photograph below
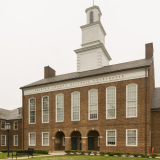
x=149 y=50
x=49 y=72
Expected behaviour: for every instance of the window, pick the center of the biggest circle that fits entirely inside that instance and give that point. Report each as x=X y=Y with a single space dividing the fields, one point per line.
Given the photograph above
x=91 y=17
x=131 y=137
x=15 y=125
x=93 y=104
x=57 y=140
x=20 y=111
x=32 y=139
x=63 y=141
x=15 y=138
x=59 y=107
x=111 y=138
x=3 y=124
x=45 y=109
x=45 y=139
x=3 y=140
x=111 y=102
x=32 y=110
x=131 y=100
x=75 y=106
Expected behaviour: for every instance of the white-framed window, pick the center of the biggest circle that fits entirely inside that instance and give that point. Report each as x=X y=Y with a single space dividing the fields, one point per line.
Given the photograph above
x=15 y=125
x=98 y=140
x=131 y=137
x=75 y=109
x=32 y=139
x=15 y=140
x=20 y=111
x=45 y=138
x=111 y=138
x=111 y=102
x=93 y=104
x=131 y=100
x=3 y=140
x=45 y=109
x=3 y=123
x=63 y=141
x=59 y=107
x=32 y=111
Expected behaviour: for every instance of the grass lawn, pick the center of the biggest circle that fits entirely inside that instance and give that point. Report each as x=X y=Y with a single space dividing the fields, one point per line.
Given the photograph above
x=86 y=157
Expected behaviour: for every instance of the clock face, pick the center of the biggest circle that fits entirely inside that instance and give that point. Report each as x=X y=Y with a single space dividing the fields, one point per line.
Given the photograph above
x=90 y=35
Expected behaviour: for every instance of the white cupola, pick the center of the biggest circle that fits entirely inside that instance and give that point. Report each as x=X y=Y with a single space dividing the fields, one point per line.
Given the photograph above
x=93 y=53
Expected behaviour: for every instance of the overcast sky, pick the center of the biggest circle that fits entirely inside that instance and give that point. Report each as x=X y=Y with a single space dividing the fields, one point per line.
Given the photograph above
x=37 y=33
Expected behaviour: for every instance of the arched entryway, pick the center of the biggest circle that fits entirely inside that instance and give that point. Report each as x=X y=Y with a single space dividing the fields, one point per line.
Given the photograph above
x=76 y=140
x=93 y=140
x=59 y=141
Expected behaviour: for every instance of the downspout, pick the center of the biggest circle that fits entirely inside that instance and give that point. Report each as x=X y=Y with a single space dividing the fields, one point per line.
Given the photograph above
x=22 y=120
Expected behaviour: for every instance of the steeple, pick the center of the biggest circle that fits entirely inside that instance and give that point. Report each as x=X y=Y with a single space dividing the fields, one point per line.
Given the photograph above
x=93 y=53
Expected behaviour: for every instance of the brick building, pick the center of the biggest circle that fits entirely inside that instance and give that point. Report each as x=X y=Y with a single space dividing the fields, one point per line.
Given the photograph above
x=100 y=107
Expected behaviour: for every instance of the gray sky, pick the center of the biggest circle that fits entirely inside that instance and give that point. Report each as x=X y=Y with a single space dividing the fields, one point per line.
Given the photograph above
x=37 y=33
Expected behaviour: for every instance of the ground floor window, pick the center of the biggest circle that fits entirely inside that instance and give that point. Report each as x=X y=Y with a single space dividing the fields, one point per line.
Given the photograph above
x=3 y=140
x=32 y=139
x=131 y=137
x=110 y=137
x=15 y=138
x=45 y=139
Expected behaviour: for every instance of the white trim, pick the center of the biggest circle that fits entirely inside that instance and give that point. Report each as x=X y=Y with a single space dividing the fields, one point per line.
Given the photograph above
x=42 y=139
x=29 y=111
x=136 y=100
x=29 y=139
x=56 y=107
x=136 y=137
x=14 y=125
x=1 y=140
x=72 y=106
x=4 y=125
x=63 y=141
x=48 y=109
x=84 y=137
x=14 y=140
x=115 y=137
x=115 y=102
x=89 y=104
x=67 y=137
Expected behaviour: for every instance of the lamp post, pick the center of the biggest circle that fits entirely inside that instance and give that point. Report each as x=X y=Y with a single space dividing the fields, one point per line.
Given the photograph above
x=8 y=127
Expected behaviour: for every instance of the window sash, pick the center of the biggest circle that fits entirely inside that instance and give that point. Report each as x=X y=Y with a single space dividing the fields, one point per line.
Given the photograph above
x=131 y=137
x=15 y=140
x=3 y=140
x=3 y=124
x=45 y=116
x=15 y=125
x=32 y=111
x=45 y=139
x=93 y=104
x=32 y=139
x=111 y=102
x=131 y=100
x=75 y=106
x=111 y=137
x=60 y=108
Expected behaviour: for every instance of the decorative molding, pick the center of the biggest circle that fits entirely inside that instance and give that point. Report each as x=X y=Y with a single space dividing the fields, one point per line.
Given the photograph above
x=84 y=137
x=67 y=137
x=106 y=78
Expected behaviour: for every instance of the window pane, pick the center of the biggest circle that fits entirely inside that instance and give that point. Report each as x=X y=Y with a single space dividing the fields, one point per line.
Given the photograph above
x=75 y=105
x=131 y=137
x=45 y=138
x=32 y=138
x=32 y=110
x=111 y=138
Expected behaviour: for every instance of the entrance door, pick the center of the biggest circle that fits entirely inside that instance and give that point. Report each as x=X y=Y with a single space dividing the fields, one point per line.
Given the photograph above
x=90 y=143
x=73 y=143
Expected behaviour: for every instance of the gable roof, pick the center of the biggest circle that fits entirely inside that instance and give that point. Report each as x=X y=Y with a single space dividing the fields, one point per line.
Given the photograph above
x=10 y=114
x=104 y=70
x=156 y=99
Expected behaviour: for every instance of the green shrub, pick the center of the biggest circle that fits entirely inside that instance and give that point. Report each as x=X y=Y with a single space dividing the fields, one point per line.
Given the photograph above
x=74 y=151
x=102 y=153
x=153 y=155
x=142 y=155
x=111 y=153
x=82 y=152
x=41 y=151
x=95 y=153
x=119 y=154
x=67 y=151
x=88 y=152
x=127 y=154
x=135 y=154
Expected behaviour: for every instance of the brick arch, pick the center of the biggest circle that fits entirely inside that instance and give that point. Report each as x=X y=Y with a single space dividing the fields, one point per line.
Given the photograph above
x=58 y=131
x=87 y=132
x=75 y=131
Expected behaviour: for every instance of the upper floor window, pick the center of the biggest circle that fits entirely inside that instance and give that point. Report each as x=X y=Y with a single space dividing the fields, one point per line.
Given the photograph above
x=3 y=124
x=93 y=104
x=45 y=109
x=32 y=139
x=32 y=110
x=3 y=140
x=131 y=137
x=15 y=138
x=59 y=107
x=75 y=106
x=131 y=100
x=91 y=17
x=111 y=102
x=20 y=111
x=16 y=125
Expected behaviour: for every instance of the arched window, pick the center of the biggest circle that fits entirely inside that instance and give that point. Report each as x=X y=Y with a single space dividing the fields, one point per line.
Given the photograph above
x=93 y=104
x=111 y=102
x=45 y=109
x=131 y=100
x=91 y=17
x=59 y=107
x=32 y=110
